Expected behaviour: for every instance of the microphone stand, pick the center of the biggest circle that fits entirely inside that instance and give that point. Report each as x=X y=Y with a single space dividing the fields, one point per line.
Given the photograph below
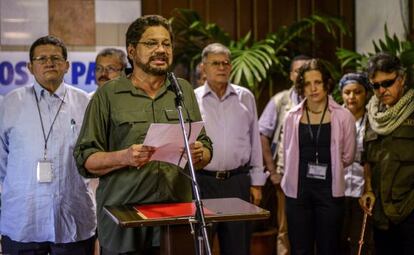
x=200 y=235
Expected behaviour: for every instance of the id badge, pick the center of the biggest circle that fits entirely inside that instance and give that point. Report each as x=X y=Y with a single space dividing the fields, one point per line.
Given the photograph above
x=317 y=171
x=44 y=171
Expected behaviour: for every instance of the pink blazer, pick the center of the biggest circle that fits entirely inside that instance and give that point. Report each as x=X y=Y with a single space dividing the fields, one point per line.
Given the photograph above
x=342 y=147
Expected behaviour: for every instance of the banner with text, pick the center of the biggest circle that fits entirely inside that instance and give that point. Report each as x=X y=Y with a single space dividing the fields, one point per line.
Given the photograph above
x=14 y=72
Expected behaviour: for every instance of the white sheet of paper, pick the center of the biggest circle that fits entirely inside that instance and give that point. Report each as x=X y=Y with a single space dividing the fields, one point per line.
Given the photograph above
x=168 y=140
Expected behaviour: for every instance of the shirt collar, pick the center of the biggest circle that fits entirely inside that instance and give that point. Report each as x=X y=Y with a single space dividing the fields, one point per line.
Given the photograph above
x=40 y=91
x=124 y=86
x=127 y=86
x=331 y=105
x=207 y=90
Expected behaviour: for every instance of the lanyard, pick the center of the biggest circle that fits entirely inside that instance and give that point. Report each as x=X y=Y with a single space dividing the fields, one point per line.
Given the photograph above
x=316 y=141
x=46 y=138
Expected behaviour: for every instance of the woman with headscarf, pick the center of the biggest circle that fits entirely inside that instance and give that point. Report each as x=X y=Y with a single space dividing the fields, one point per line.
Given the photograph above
x=355 y=91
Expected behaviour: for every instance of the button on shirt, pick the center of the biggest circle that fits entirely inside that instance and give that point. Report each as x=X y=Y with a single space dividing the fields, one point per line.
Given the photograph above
x=59 y=211
x=231 y=123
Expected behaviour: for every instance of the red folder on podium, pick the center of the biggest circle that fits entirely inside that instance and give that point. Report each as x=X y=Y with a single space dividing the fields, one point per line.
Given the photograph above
x=171 y=210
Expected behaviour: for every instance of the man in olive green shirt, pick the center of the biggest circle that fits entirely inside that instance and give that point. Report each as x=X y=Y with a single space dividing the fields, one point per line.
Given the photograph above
x=389 y=149
x=116 y=122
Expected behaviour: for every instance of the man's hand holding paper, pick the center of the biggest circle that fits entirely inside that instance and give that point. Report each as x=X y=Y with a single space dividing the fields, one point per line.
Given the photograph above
x=169 y=143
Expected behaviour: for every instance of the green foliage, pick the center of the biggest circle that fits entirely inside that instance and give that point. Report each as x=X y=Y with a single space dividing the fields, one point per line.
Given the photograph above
x=251 y=65
x=253 y=61
x=392 y=44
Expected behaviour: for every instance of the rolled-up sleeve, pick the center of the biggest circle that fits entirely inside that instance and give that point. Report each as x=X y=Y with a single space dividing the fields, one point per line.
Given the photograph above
x=92 y=137
x=258 y=177
x=267 y=121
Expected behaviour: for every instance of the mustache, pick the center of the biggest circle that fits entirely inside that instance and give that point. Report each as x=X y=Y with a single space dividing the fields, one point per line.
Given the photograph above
x=160 y=55
x=103 y=78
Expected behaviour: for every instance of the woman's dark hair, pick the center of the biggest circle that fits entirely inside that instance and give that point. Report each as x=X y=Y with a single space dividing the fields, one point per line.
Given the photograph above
x=314 y=65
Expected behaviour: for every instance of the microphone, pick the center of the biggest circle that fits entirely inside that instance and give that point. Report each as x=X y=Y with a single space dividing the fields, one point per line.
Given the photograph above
x=175 y=86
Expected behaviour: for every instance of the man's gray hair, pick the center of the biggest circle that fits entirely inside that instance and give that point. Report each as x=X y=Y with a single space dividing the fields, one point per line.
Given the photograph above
x=215 y=48
x=114 y=52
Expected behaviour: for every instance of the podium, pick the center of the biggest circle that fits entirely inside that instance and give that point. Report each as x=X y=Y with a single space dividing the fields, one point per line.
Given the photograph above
x=175 y=231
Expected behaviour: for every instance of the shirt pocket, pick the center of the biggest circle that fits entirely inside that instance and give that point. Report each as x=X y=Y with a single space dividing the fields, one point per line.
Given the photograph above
x=403 y=143
x=130 y=127
x=172 y=115
x=402 y=183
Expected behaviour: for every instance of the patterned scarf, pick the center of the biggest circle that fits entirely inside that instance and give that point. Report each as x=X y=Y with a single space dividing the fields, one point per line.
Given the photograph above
x=384 y=122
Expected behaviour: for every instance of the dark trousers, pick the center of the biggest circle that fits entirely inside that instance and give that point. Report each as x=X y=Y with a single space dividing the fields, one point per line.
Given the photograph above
x=234 y=237
x=398 y=239
x=314 y=221
x=352 y=227
x=152 y=251
x=10 y=247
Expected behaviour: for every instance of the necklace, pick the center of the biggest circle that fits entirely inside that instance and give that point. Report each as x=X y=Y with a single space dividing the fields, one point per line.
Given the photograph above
x=314 y=112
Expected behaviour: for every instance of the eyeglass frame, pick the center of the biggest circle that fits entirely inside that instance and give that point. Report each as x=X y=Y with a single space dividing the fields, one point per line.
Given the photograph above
x=154 y=44
x=108 y=69
x=384 y=84
x=55 y=59
x=217 y=64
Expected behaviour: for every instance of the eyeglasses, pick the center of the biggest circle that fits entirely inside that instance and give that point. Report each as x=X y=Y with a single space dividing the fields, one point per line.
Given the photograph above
x=385 y=84
x=219 y=63
x=55 y=59
x=108 y=69
x=152 y=45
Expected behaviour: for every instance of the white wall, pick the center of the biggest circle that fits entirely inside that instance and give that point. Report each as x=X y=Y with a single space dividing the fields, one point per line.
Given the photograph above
x=23 y=21
x=370 y=17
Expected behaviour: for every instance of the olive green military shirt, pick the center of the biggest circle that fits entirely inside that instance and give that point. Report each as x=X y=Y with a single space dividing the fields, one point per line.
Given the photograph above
x=392 y=173
x=117 y=117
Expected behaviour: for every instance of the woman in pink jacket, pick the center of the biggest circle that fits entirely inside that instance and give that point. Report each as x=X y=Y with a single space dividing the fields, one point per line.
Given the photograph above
x=318 y=141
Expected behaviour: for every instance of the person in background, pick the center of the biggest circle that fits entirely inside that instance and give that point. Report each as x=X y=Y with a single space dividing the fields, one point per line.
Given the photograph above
x=355 y=91
x=110 y=144
x=236 y=170
x=110 y=64
x=199 y=76
x=270 y=127
x=389 y=153
x=317 y=148
x=47 y=207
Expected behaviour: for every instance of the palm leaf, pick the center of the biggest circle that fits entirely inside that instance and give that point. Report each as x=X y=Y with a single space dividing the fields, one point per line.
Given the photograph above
x=252 y=61
x=392 y=44
x=285 y=35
